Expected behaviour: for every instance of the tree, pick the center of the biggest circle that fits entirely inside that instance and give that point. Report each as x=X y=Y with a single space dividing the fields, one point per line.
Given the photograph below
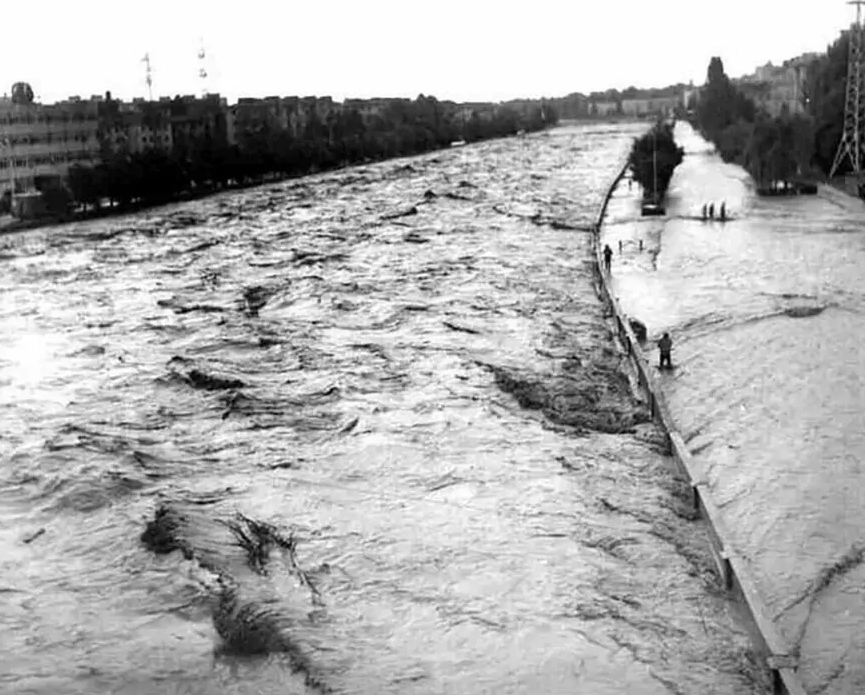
x=83 y=185
x=654 y=156
x=719 y=105
x=266 y=146
x=824 y=95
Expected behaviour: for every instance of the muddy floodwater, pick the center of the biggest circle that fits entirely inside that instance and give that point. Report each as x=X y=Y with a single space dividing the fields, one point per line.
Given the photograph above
x=767 y=313
x=363 y=432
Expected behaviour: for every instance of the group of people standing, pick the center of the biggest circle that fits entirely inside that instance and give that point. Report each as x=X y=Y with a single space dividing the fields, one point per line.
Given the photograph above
x=709 y=211
x=665 y=344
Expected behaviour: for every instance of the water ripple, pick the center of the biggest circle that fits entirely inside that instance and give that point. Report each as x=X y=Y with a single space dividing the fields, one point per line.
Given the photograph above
x=363 y=432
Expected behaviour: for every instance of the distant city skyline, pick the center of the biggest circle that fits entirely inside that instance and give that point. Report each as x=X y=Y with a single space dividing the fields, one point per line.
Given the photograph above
x=473 y=50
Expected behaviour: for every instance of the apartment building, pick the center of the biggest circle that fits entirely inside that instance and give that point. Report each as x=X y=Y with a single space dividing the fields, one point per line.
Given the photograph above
x=177 y=125
x=134 y=127
x=779 y=88
x=659 y=106
x=603 y=108
x=196 y=122
x=369 y=109
x=39 y=140
x=252 y=116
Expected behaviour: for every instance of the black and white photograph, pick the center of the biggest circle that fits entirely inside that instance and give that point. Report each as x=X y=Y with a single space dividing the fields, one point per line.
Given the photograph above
x=454 y=348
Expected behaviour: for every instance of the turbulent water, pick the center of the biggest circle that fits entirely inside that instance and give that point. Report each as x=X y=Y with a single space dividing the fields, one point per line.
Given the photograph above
x=767 y=312
x=365 y=433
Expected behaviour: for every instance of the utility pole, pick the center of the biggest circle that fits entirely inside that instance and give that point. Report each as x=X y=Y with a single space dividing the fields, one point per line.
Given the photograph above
x=148 y=75
x=852 y=139
x=655 y=165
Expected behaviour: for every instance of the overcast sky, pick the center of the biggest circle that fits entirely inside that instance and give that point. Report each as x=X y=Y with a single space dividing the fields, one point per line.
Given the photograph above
x=453 y=49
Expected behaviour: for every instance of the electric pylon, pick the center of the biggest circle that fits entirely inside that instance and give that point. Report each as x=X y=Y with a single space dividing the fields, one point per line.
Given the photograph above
x=148 y=76
x=852 y=138
x=202 y=67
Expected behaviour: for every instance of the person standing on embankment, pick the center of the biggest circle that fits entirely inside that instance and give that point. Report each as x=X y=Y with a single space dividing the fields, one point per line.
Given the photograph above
x=608 y=257
x=665 y=345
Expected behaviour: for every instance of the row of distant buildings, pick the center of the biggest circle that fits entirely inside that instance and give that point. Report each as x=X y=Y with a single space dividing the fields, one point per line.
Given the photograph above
x=776 y=89
x=779 y=89
x=45 y=140
x=611 y=104
x=638 y=107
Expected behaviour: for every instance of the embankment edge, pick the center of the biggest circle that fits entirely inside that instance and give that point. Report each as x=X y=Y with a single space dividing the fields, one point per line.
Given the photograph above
x=732 y=568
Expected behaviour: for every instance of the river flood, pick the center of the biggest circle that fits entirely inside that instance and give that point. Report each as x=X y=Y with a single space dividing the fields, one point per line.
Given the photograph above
x=767 y=312
x=368 y=425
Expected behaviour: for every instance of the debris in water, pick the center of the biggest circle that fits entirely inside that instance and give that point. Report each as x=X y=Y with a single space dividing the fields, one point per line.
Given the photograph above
x=210 y=382
x=350 y=425
x=415 y=238
x=405 y=213
x=33 y=536
x=599 y=399
x=180 y=309
x=161 y=535
x=462 y=329
x=255 y=298
x=800 y=312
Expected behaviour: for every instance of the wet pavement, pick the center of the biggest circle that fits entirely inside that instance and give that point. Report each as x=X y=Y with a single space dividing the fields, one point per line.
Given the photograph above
x=767 y=312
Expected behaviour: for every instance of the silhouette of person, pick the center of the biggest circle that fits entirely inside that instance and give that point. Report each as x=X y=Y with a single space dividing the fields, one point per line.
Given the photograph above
x=712 y=211
x=705 y=211
x=723 y=212
x=665 y=345
x=608 y=256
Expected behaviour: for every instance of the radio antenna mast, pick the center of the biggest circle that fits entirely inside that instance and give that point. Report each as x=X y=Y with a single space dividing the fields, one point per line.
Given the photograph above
x=202 y=68
x=148 y=75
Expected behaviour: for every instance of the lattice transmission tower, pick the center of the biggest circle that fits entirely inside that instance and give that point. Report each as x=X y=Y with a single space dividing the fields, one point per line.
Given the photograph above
x=853 y=138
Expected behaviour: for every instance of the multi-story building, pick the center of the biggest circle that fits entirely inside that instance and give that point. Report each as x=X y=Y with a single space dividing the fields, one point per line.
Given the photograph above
x=658 y=106
x=603 y=108
x=780 y=88
x=250 y=117
x=44 y=140
x=178 y=125
x=369 y=109
x=132 y=128
x=198 y=122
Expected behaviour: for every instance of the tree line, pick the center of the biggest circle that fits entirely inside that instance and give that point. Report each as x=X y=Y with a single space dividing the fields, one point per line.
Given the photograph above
x=786 y=148
x=266 y=150
x=653 y=159
x=772 y=149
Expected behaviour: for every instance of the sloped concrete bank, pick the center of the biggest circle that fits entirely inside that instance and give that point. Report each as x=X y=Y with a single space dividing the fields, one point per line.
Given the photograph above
x=842 y=199
x=731 y=567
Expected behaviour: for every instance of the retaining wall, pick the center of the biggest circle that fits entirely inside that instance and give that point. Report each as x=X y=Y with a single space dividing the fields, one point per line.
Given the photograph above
x=848 y=201
x=732 y=568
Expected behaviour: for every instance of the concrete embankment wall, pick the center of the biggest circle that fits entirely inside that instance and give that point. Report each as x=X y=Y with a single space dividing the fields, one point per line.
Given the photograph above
x=847 y=201
x=732 y=568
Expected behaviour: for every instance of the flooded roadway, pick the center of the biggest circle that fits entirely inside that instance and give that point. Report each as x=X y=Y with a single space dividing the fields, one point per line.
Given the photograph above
x=403 y=369
x=767 y=313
